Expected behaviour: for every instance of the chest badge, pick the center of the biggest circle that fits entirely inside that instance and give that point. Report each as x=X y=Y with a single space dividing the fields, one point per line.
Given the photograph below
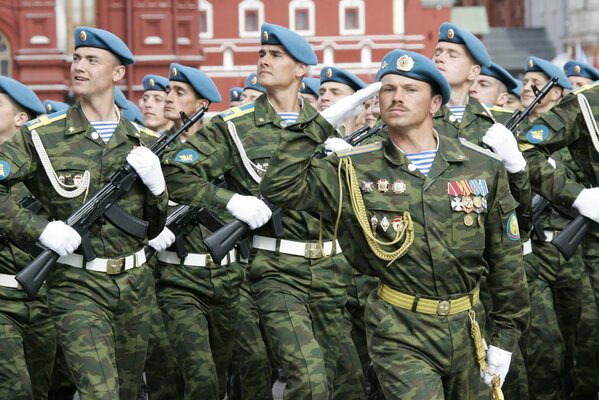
x=382 y=185
x=398 y=186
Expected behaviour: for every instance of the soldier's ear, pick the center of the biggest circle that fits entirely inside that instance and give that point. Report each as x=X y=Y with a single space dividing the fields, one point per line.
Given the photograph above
x=301 y=70
x=20 y=119
x=118 y=73
x=474 y=72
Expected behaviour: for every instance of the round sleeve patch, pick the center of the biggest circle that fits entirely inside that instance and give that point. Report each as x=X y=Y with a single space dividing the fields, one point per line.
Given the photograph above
x=511 y=230
x=187 y=156
x=537 y=134
x=4 y=170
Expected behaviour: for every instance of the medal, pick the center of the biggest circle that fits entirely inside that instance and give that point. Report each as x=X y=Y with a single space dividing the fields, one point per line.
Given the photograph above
x=468 y=220
x=373 y=224
x=367 y=186
x=397 y=223
x=398 y=186
x=477 y=201
x=456 y=204
x=467 y=204
x=382 y=185
x=385 y=224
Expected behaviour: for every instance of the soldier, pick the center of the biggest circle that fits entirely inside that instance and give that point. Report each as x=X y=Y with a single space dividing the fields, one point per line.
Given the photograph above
x=299 y=291
x=234 y=96
x=152 y=103
x=309 y=90
x=99 y=307
x=403 y=220
x=27 y=333
x=252 y=89
x=493 y=85
x=580 y=74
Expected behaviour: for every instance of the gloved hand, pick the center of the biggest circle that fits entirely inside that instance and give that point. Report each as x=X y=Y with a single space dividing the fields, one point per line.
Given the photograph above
x=350 y=106
x=587 y=203
x=336 y=144
x=498 y=363
x=147 y=166
x=163 y=241
x=502 y=141
x=60 y=238
x=249 y=209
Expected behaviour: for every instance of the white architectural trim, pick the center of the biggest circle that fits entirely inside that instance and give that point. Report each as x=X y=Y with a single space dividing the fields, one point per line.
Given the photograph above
x=246 y=5
x=308 y=5
x=399 y=17
x=206 y=7
x=359 y=4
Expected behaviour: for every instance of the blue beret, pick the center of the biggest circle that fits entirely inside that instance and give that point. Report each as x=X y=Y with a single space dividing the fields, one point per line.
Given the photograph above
x=333 y=74
x=234 y=93
x=86 y=36
x=310 y=86
x=201 y=83
x=133 y=113
x=496 y=71
x=517 y=91
x=293 y=43
x=454 y=34
x=119 y=98
x=415 y=66
x=536 y=64
x=155 y=82
x=575 y=68
x=251 y=82
x=21 y=95
x=52 y=106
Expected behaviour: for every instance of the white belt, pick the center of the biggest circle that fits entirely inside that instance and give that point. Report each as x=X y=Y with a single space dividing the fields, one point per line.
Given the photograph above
x=195 y=259
x=302 y=249
x=9 y=281
x=527 y=247
x=111 y=266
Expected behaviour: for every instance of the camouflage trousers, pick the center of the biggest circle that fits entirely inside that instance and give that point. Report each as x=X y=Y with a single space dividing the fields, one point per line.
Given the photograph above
x=250 y=370
x=301 y=302
x=27 y=343
x=422 y=357
x=62 y=386
x=102 y=322
x=200 y=307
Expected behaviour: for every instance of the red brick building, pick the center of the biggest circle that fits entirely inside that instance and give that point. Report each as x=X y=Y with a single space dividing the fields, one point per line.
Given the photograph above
x=220 y=36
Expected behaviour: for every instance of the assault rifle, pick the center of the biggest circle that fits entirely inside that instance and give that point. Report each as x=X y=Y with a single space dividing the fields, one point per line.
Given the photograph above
x=120 y=182
x=520 y=115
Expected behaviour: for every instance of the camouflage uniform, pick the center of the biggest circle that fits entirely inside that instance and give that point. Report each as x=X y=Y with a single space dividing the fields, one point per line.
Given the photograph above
x=299 y=297
x=102 y=319
x=417 y=355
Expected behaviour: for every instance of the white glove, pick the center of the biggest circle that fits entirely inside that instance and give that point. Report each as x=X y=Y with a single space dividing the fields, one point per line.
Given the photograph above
x=250 y=210
x=336 y=144
x=350 y=106
x=147 y=166
x=498 y=363
x=587 y=203
x=60 y=238
x=503 y=143
x=163 y=241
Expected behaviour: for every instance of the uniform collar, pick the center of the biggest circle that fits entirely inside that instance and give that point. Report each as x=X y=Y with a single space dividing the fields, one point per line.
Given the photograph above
x=264 y=114
x=448 y=149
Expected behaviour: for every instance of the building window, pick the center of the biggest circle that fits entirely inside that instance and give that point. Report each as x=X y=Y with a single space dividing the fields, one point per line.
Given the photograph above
x=4 y=56
x=352 y=18
x=206 y=26
x=399 y=17
x=79 y=12
x=251 y=17
x=301 y=17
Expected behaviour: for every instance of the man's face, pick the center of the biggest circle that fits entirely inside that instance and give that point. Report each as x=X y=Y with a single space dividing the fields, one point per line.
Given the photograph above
x=332 y=92
x=152 y=107
x=275 y=67
x=512 y=103
x=249 y=95
x=94 y=71
x=180 y=96
x=372 y=111
x=539 y=79
x=578 y=81
x=455 y=63
x=487 y=89
x=405 y=102
x=8 y=115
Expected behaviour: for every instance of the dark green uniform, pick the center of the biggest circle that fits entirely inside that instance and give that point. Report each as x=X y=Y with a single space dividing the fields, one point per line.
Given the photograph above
x=102 y=318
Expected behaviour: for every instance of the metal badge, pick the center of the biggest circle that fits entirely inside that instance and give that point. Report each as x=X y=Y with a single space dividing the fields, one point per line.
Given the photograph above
x=382 y=185
x=385 y=224
x=83 y=36
x=398 y=186
x=468 y=220
x=367 y=186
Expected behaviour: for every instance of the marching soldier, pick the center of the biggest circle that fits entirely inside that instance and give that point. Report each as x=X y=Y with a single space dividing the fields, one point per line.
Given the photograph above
x=252 y=89
x=493 y=85
x=580 y=74
x=234 y=96
x=309 y=90
x=152 y=103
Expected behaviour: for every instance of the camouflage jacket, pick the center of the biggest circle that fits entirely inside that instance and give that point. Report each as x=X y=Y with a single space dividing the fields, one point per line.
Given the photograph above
x=450 y=252
x=73 y=147
x=211 y=152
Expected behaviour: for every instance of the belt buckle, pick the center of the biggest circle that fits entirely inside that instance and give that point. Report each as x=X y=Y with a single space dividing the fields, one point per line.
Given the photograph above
x=443 y=307
x=115 y=266
x=313 y=250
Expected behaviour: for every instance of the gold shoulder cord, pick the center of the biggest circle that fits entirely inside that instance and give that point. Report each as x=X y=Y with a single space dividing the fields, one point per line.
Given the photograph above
x=357 y=203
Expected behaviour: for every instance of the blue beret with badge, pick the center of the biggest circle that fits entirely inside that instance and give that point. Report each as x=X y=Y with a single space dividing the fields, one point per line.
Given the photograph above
x=333 y=74
x=575 y=68
x=454 y=34
x=415 y=66
x=86 y=36
x=496 y=71
x=293 y=43
x=119 y=98
x=234 y=93
x=155 y=82
x=536 y=64
x=310 y=86
x=201 y=83
x=22 y=95
x=133 y=113
x=52 y=106
x=251 y=82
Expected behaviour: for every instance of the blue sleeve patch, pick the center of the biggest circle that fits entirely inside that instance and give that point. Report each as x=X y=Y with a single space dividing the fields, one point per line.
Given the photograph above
x=512 y=230
x=187 y=156
x=537 y=134
x=4 y=170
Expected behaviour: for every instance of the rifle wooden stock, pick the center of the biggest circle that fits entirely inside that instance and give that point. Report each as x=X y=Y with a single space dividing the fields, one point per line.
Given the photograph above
x=572 y=235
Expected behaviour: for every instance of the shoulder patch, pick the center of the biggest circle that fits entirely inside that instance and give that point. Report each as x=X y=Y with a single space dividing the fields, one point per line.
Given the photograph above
x=187 y=156
x=511 y=227
x=46 y=119
x=4 y=169
x=479 y=149
x=537 y=134
x=367 y=148
x=586 y=87
x=143 y=129
x=235 y=112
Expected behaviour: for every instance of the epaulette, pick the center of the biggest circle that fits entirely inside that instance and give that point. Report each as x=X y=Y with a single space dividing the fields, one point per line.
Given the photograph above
x=46 y=119
x=367 y=148
x=479 y=149
x=143 y=129
x=500 y=110
x=487 y=112
x=586 y=87
x=235 y=112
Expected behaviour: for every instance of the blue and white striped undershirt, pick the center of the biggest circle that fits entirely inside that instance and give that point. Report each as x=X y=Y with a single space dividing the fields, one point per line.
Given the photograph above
x=289 y=117
x=423 y=160
x=105 y=129
x=457 y=111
